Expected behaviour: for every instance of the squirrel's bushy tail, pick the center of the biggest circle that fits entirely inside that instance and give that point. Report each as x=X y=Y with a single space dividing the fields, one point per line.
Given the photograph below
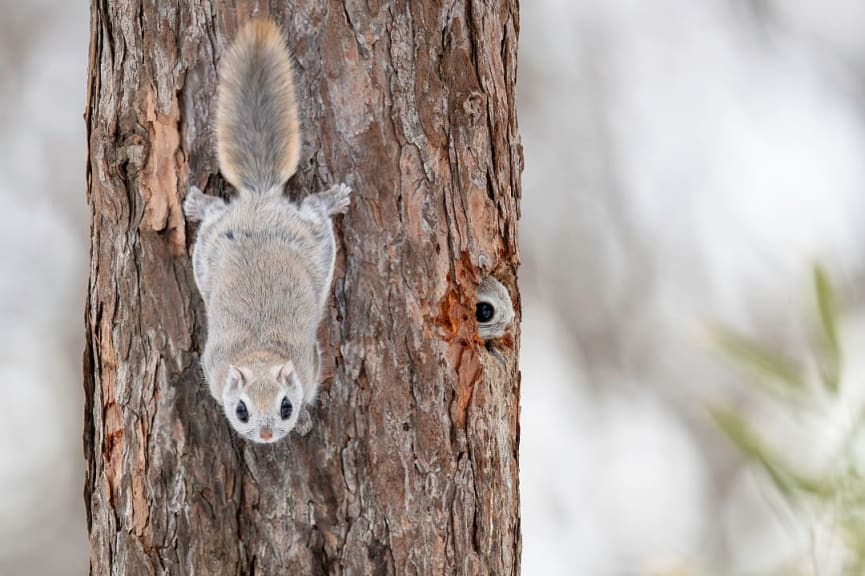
x=257 y=130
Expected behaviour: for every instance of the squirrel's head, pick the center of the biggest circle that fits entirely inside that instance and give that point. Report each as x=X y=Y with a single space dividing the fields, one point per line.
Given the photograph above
x=263 y=404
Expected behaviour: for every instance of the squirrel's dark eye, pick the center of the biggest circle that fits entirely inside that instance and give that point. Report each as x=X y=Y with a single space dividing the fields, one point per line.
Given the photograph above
x=484 y=311
x=285 y=409
x=242 y=412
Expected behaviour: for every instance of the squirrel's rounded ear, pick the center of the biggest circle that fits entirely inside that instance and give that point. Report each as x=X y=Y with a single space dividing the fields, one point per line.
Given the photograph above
x=284 y=372
x=236 y=377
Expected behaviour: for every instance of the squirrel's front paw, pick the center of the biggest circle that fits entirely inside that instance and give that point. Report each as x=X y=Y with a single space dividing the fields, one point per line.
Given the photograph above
x=303 y=426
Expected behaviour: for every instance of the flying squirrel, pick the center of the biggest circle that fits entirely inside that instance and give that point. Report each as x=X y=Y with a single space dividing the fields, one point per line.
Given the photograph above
x=262 y=263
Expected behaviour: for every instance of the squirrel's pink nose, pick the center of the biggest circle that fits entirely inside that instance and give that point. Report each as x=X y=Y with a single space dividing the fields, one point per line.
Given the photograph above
x=265 y=434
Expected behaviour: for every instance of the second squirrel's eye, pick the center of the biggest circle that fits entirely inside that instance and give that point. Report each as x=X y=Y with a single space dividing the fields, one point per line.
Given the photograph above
x=242 y=412
x=484 y=311
x=285 y=409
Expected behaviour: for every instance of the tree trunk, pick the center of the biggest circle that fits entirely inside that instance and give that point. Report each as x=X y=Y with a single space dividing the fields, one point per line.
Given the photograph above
x=411 y=466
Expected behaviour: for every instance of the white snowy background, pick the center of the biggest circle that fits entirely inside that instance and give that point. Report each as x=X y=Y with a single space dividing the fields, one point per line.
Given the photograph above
x=686 y=162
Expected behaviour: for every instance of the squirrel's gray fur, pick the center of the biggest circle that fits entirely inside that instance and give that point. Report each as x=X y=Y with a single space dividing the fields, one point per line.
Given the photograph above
x=257 y=130
x=262 y=263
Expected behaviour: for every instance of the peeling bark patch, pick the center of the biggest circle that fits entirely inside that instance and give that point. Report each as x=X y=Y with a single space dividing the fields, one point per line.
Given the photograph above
x=112 y=452
x=448 y=317
x=456 y=310
x=458 y=328
x=140 y=510
x=159 y=178
x=112 y=448
x=469 y=370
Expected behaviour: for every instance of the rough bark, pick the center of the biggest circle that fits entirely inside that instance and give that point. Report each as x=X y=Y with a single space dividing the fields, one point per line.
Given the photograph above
x=411 y=467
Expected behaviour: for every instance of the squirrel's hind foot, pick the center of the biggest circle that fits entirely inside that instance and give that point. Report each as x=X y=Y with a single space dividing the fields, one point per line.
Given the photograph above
x=198 y=206
x=336 y=199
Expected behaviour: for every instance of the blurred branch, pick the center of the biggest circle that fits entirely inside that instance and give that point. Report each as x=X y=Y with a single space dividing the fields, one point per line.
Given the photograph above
x=832 y=499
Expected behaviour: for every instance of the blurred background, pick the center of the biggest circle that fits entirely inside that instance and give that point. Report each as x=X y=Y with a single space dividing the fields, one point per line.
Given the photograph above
x=687 y=164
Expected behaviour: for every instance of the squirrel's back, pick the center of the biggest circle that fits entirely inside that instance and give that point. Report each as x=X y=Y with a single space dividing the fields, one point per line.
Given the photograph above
x=257 y=128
